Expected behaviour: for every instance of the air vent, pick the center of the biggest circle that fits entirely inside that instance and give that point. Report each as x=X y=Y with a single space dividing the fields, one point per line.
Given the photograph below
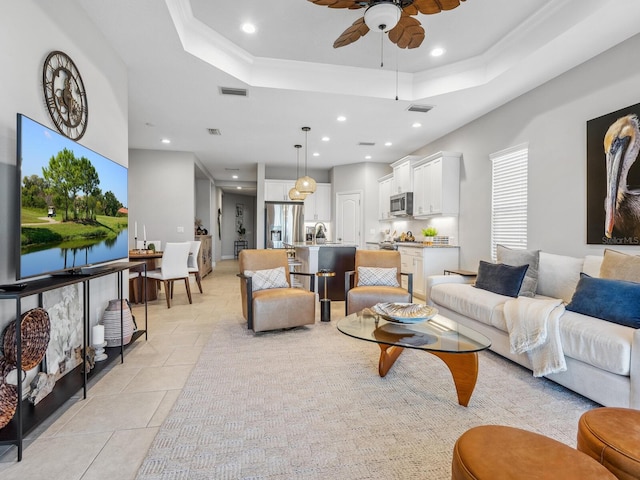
x=238 y=92
x=232 y=169
x=214 y=131
x=366 y=144
x=420 y=108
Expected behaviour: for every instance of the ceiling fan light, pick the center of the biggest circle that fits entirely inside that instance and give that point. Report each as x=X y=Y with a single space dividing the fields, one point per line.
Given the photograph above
x=382 y=17
x=306 y=185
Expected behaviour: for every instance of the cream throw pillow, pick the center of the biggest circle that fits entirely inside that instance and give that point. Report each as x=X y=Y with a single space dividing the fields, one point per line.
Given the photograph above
x=265 y=279
x=375 y=277
x=620 y=266
x=518 y=257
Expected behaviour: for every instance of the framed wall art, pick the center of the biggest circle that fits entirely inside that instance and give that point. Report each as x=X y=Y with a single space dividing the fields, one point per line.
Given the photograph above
x=613 y=178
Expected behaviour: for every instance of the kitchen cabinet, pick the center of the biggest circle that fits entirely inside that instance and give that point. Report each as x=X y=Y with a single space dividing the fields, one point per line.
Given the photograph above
x=205 y=255
x=437 y=185
x=336 y=258
x=317 y=206
x=385 y=184
x=278 y=190
x=426 y=261
x=402 y=175
x=412 y=262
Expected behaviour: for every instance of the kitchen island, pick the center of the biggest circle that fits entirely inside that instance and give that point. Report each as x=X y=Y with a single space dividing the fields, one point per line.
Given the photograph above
x=337 y=257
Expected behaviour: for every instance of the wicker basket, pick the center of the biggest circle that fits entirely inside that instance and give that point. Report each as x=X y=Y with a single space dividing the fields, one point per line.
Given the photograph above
x=36 y=330
x=8 y=395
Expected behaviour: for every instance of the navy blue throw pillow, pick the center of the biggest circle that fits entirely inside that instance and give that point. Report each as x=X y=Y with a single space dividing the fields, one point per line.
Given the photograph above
x=500 y=278
x=616 y=301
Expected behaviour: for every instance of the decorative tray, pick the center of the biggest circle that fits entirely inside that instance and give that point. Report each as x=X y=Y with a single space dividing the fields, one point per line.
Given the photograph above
x=404 y=312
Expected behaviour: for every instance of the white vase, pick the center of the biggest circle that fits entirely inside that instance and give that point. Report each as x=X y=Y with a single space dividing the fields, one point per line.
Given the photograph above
x=111 y=322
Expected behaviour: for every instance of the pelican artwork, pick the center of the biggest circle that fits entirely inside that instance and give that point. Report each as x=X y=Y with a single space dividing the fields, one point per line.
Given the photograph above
x=622 y=206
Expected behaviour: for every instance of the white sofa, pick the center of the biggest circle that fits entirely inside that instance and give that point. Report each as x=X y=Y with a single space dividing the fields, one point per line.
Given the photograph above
x=603 y=358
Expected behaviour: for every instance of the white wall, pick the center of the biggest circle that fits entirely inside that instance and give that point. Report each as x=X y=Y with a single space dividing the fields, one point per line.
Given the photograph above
x=364 y=177
x=29 y=31
x=161 y=194
x=552 y=118
x=229 y=230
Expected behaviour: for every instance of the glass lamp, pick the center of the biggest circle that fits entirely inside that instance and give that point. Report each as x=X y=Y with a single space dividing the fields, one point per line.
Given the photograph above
x=306 y=185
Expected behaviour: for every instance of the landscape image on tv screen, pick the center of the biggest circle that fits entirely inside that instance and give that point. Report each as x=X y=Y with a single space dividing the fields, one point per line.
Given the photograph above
x=73 y=203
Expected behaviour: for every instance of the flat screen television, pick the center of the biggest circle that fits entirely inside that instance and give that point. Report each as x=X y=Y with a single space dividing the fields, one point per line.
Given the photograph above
x=73 y=204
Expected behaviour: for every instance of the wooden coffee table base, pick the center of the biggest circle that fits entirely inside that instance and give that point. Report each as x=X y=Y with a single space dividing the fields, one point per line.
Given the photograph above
x=463 y=368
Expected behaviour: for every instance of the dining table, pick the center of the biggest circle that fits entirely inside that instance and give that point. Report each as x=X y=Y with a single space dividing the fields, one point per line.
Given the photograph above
x=150 y=258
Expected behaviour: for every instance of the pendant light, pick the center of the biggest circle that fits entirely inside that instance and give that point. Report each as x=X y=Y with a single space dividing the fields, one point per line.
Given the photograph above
x=306 y=184
x=294 y=194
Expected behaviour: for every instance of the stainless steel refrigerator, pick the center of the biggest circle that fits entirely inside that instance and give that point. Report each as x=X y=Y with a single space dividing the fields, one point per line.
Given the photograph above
x=284 y=223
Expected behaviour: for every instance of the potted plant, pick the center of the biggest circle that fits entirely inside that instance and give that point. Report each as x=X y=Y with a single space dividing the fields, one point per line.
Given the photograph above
x=429 y=233
x=151 y=247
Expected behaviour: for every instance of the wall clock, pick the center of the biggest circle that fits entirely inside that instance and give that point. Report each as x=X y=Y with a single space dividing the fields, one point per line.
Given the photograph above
x=65 y=95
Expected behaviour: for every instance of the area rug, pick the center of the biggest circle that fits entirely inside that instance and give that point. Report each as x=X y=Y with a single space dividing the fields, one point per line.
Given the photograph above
x=308 y=404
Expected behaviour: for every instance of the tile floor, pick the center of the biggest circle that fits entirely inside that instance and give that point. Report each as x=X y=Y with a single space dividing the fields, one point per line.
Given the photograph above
x=108 y=434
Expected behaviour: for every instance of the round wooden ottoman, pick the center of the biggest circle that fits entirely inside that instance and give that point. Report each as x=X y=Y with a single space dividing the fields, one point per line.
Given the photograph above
x=493 y=452
x=612 y=437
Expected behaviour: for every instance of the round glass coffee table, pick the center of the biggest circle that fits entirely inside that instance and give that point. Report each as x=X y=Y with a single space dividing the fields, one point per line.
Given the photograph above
x=456 y=345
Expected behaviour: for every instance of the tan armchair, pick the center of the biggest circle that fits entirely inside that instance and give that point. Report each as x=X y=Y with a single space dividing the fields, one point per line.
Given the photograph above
x=360 y=297
x=273 y=308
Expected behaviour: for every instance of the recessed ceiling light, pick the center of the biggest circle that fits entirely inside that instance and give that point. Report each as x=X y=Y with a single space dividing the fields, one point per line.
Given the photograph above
x=388 y=144
x=368 y=157
x=238 y=188
x=341 y=118
x=166 y=140
x=416 y=125
x=438 y=51
x=316 y=154
x=234 y=176
x=249 y=28
x=325 y=139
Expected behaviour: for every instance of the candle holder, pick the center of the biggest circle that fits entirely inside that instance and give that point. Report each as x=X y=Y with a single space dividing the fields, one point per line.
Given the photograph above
x=144 y=245
x=135 y=243
x=100 y=355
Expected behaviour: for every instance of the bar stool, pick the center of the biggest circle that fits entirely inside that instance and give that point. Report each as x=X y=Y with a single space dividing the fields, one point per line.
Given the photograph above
x=325 y=303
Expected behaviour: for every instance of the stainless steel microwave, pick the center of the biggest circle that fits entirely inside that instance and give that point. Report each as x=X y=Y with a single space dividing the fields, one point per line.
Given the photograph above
x=402 y=204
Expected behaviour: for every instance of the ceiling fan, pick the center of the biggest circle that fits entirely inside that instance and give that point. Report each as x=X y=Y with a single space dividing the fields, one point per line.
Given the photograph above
x=392 y=16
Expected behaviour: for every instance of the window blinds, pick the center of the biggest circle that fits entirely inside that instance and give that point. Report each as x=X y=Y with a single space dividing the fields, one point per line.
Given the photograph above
x=509 y=198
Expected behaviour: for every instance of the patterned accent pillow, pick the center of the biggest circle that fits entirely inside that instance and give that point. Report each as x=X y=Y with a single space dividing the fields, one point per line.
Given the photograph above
x=265 y=279
x=375 y=276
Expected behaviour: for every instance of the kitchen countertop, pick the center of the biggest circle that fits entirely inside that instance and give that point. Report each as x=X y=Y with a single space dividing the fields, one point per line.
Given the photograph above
x=416 y=245
x=328 y=244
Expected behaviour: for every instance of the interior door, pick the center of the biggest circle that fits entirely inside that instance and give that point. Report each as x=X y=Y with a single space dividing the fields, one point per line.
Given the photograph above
x=348 y=218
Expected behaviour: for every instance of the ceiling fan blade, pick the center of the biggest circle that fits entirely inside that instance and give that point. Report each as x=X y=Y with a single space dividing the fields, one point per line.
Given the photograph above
x=351 y=4
x=408 y=33
x=351 y=34
x=429 y=7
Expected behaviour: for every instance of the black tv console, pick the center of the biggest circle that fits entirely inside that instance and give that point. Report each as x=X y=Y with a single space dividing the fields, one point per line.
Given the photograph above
x=28 y=416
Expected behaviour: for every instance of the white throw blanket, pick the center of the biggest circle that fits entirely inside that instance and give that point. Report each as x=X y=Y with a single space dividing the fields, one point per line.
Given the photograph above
x=534 y=328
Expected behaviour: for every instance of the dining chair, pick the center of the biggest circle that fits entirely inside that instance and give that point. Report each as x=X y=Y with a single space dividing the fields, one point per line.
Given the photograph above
x=174 y=267
x=192 y=262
